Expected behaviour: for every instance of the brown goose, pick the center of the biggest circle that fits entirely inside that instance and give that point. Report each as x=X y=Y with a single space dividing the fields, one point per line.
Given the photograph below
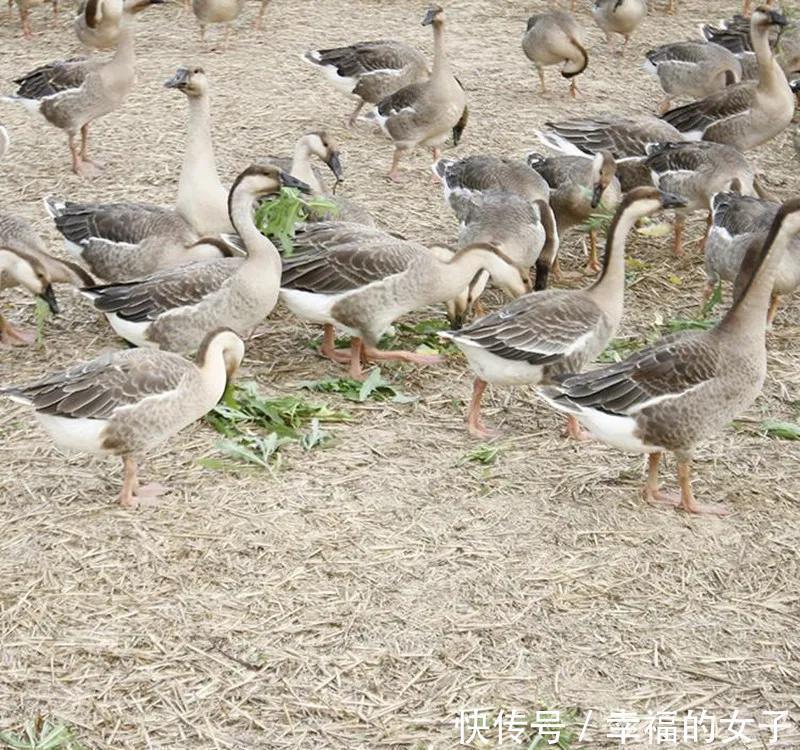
x=423 y=114
x=556 y=38
x=675 y=393
x=361 y=279
x=578 y=186
x=370 y=71
x=176 y=308
x=72 y=94
x=746 y=114
x=125 y=403
x=542 y=334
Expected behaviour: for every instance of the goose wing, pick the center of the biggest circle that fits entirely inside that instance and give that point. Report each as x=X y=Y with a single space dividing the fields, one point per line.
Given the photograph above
x=54 y=78
x=666 y=370
x=403 y=101
x=539 y=328
x=742 y=214
x=702 y=115
x=140 y=301
x=96 y=389
x=367 y=58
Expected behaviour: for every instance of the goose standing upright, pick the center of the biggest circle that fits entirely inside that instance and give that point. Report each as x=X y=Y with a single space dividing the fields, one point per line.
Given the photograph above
x=424 y=113
x=673 y=394
x=217 y=11
x=71 y=95
x=552 y=38
x=744 y=115
x=176 y=308
x=122 y=241
x=370 y=71
x=619 y=17
x=541 y=334
x=125 y=403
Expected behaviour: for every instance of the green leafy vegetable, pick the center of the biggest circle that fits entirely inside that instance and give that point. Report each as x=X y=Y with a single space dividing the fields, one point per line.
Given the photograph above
x=375 y=387
x=41 y=734
x=42 y=314
x=484 y=453
x=278 y=218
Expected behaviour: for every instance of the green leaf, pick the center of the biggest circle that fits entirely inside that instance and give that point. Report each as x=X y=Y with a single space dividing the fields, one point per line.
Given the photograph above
x=781 y=430
x=42 y=315
x=712 y=301
x=375 y=387
x=484 y=453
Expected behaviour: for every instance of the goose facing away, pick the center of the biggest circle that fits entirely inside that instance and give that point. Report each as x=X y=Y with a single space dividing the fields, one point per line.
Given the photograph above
x=370 y=71
x=127 y=402
x=619 y=17
x=625 y=137
x=692 y=69
x=746 y=114
x=423 y=113
x=541 y=334
x=737 y=222
x=697 y=170
x=578 y=186
x=217 y=11
x=673 y=394
x=71 y=94
x=361 y=280
x=122 y=241
x=553 y=38
x=175 y=309
x=24 y=261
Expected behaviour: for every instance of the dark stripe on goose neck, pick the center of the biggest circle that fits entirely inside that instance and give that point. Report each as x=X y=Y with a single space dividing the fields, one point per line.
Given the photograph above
x=629 y=199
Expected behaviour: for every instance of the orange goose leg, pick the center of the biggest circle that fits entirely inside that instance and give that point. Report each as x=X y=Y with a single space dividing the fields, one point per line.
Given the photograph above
x=328 y=347
x=475 y=425
x=688 y=503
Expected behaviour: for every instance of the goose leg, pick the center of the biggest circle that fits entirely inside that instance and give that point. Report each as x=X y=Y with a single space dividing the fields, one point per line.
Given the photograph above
x=688 y=503
x=202 y=33
x=10 y=9
x=226 y=37
x=356 y=353
x=85 y=147
x=371 y=353
x=78 y=166
x=10 y=336
x=130 y=483
x=328 y=348
x=475 y=425
x=708 y=290
x=350 y=123
x=25 y=23
x=261 y=11
x=573 y=88
x=541 y=79
x=701 y=243
x=652 y=492
x=774 y=301
x=394 y=171
x=593 y=265
x=746 y=8
x=574 y=429
x=55 y=8
x=436 y=153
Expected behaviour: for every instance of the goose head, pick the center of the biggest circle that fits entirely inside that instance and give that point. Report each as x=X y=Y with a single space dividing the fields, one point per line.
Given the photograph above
x=224 y=344
x=604 y=168
x=259 y=181
x=763 y=17
x=643 y=201
x=323 y=146
x=191 y=81
x=434 y=16
x=29 y=272
x=511 y=277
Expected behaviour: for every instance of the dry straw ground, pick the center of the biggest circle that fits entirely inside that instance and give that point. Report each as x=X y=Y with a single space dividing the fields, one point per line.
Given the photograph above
x=366 y=592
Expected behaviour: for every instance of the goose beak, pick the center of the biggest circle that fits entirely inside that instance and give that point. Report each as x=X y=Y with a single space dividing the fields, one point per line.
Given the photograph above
x=180 y=79
x=335 y=165
x=670 y=200
x=429 y=16
x=597 y=195
x=456 y=320
x=778 y=19
x=49 y=296
x=292 y=182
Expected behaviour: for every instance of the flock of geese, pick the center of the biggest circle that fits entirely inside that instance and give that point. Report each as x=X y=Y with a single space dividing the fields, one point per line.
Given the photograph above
x=199 y=277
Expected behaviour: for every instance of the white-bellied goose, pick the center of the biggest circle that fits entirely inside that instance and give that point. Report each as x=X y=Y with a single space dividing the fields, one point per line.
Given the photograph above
x=556 y=38
x=542 y=334
x=675 y=393
x=125 y=403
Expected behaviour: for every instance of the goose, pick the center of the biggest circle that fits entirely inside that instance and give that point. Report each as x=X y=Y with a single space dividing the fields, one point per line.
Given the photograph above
x=371 y=71
x=360 y=280
x=72 y=94
x=123 y=241
x=737 y=222
x=697 y=170
x=25 y=7
x=125 y=403
x=744 y=115
x=224 y=12
x=24 y=261
x=555 y=38
x=544 y=333
x=673 y=394
x=692 y=69
x=625 y=137
x=5 y=141
x=734 y=35
x=619 y=17
x=524 y=231
x=578 y=185
x=98 y=22
x=174 y=309
x=423 y=113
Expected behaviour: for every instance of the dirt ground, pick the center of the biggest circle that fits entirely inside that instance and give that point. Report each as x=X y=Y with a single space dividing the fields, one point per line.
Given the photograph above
x=364 y=594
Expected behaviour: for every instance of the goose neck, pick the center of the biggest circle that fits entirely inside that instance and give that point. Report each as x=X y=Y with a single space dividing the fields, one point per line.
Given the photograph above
x=441 y=65
x=259 y=248
x=457 y=273
x=609 y=289
x=302 y=169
